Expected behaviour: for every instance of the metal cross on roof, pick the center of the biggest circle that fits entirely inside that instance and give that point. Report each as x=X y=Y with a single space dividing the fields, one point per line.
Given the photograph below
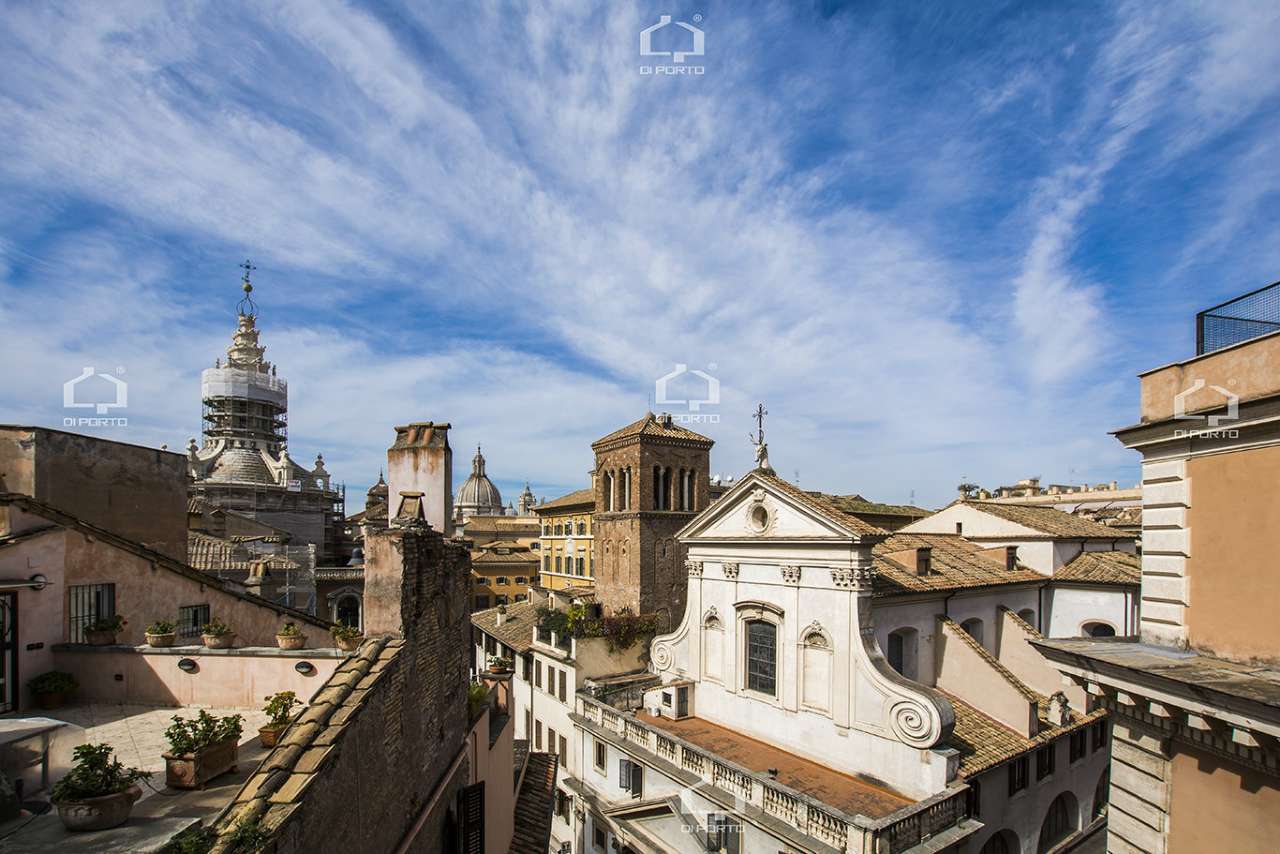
x=759 y=415
x=247 y=307
x=248 y=268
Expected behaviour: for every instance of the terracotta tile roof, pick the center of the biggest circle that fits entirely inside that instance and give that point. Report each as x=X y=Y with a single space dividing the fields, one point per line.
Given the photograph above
x=162 y=561
x=534 y=804
x=822 y=504
x=956 y=564
x=275 y=791
x=508 y=524
x=513 y=556
x=1049 y=520
x=580 y=498
x=857 y=504
x=516 y=631
x=984 y=743
x=1101 y=568
x=651 y=426
x=208 y=553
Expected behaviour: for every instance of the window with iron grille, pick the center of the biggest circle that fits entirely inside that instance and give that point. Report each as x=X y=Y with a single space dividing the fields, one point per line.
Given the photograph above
x=88 y=603
x=191 y=620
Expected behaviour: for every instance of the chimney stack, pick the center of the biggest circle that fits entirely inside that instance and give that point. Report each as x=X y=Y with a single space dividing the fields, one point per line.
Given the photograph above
x=924 y=560
x=502 y=615
x=1010 y=558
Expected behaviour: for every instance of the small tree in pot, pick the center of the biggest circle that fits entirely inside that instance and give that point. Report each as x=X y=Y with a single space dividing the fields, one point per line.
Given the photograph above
x=347 y=638
x=291 y=637
x=103 y=631
x=51 y=689
x=218 y=635
x=98 y=792
x=201 y=748
x=279 y=709
x=161 y=633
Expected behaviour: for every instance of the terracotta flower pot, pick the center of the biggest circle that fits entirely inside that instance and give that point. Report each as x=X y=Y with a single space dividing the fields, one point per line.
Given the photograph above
x=98 y=813
x=97 y=638
x=51 y=699
x=193 y=770
x=164 y=640
x=270 y=735
x=349 y=644
x=220 y=641
x=292 y=641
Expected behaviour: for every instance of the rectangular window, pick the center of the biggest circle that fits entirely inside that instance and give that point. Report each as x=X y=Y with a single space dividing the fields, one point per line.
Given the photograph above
x=537 y=735
x=631 y=777
x=602 y=755
x=191 y=620
x=598 y=835
x=564 y=752
x=490 y=645
x=973 y=800
x=537 y=673
x=500 y=581
x=528 y=723
x=1099 y=735
x=526 y=668
x=551 y=680
x=522 y=579
x=558 y=560
x=1044 y=761
x=1017 y=775
x=482 y=603
x=1077 y=745
x=561 y=693
x=581 y=566
x=551 y=740
x=762 y=657
x=88 y=603
x=564 y=806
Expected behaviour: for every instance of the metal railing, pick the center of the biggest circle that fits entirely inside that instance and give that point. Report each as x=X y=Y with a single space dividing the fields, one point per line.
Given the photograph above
x=1248 y=316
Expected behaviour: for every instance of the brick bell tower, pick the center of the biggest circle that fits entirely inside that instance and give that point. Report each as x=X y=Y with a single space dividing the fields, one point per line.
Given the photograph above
x=650 y=479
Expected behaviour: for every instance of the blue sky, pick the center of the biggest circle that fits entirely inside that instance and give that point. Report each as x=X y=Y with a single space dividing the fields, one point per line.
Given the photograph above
x=937 y=240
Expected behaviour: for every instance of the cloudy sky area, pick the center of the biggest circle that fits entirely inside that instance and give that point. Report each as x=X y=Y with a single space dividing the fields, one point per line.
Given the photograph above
x=938 y=241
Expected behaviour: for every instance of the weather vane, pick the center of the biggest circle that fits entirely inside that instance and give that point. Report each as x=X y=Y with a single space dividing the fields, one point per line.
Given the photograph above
x=762 y=449
x=247 y=307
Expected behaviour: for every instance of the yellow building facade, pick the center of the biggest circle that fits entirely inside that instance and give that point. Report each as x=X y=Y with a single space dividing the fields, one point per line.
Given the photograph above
x=566 y=541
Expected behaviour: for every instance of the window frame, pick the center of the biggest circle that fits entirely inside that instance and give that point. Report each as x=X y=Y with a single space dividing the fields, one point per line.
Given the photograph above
x=199 y=613
x=1019 y=774
x=600 y=756
x=762 y=612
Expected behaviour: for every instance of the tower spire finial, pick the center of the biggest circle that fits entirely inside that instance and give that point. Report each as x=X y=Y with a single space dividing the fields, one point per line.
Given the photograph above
x=762 y=449
x=247 y=307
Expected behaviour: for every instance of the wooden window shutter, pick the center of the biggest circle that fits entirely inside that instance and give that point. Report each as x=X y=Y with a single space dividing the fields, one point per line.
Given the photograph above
x=471 y=808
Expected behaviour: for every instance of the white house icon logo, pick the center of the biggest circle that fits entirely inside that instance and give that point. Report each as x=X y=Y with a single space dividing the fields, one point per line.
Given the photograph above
x=121 y=393
x=677 y=56
x=695 y=404
x=1180 y=405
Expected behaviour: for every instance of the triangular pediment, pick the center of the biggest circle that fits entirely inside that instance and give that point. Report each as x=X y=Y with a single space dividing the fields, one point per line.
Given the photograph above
x=759 y=507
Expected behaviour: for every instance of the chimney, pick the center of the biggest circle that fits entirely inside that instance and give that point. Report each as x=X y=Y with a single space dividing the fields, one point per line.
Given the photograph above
x=502 y=615
x=1010 y=558
x=665 y=418
x=420 y=461
x=1059 y=709
x=924 y=560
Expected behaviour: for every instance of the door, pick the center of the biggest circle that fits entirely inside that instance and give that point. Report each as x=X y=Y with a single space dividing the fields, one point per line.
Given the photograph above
x=9 y=651
x=682 y=702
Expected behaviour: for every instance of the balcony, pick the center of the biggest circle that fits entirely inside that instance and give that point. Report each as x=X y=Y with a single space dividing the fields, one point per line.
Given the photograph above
x=866 y=818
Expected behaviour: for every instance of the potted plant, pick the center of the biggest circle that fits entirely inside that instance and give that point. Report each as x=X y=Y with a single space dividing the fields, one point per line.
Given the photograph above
x=51 y=689
x=98 y=792
x=279 y=709
x=499 y=664
x=218 y=635
x=201 y=748
x=291 y=637
x=103 y=631
x=347 y=638
x=161 y=633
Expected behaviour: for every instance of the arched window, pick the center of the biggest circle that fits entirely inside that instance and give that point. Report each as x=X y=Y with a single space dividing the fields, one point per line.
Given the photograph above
x=973 y=628
x=762 y=657
x=1059 y=822
x=999 y=843
x=546 y=563
x=1028 y=616
x=1102 y=794
x=657 y=488
x=348 y=610
x=903 y=646
x=1098 y=630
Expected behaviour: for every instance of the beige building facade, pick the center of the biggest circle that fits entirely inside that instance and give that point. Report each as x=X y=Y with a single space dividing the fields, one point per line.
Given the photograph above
x=567 y=541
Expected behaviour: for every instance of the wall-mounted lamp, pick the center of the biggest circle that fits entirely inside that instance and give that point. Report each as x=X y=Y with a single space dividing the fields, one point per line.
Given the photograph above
x=188 y=665
x=306 y=668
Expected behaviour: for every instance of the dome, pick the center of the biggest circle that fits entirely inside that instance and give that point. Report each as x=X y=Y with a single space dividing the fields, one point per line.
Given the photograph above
x=379 y=489
x=240 y=465
x=478 y=496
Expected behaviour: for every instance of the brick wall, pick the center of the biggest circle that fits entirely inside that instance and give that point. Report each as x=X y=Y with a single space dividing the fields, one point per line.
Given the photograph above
x=403 y=748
